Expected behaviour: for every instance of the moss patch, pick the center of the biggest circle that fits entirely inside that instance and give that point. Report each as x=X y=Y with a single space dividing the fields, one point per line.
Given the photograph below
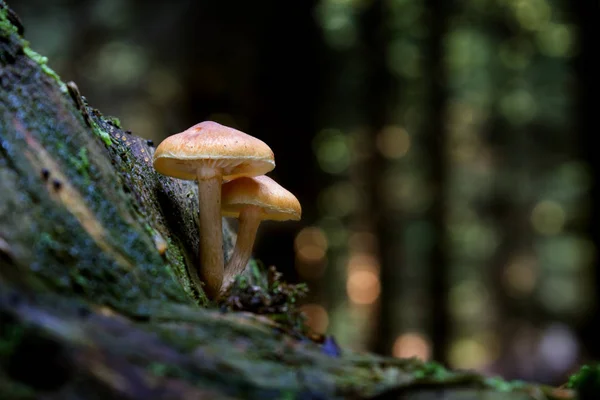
x=82 y=164
x=42 y=61
x=102 y=134
x=501 y=385
x=432 y=371
x=6 y=27
x=114 y=121
x=586 y=381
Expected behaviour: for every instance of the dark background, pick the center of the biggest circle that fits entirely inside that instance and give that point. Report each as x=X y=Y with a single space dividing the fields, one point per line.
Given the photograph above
x=442 y=152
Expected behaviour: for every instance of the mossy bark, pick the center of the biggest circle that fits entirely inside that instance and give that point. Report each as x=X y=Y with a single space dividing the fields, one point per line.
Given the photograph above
x=96 y=300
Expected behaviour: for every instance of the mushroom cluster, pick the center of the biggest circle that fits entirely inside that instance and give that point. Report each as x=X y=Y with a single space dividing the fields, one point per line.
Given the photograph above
x=230 y=167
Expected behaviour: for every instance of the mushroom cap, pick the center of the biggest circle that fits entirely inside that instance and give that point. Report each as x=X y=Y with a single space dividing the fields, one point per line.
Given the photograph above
x=276 y=203
x=212 y=145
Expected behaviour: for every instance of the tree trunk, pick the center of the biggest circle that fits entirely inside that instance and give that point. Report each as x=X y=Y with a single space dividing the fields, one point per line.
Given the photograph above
x=377 y=89
x=585 y=68
x=437 y=142
x=96 y=300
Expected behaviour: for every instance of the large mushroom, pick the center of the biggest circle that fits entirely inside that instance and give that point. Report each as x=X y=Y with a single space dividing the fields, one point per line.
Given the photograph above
x=253 y=200
x=210 y=153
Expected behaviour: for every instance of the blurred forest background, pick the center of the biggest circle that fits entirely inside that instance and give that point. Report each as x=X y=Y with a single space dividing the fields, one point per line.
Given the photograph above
x=442 y=151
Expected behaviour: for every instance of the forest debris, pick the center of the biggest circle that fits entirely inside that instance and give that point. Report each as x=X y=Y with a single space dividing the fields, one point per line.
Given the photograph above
x=264 y=293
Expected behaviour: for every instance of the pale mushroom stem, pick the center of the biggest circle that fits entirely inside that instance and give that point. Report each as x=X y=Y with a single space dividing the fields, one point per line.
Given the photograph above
x=249 y=220
x=211 y=233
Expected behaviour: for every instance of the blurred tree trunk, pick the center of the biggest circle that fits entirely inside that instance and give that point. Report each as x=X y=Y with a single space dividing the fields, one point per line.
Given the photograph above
x=339 y=113
x=378 y=84
x=94 y=298
x=439 y=11
x=586 y=69
x=299 y=51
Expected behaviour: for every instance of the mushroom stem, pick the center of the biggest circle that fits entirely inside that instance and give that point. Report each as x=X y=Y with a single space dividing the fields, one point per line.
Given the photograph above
x=249 y=220
x=211 y=232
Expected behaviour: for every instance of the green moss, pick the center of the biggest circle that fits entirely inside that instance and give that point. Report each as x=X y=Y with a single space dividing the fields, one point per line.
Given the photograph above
x=501 y=385
x=158 y=369
x=82 y=163
x=149 y=229
x=432 y=370
x=6 y=28
x=179 y=268
x=288 y=395
x=67 y=258
x=586 y=381
x=114 y=121
x=46 y=240
x=101 y=133
x=42 y=61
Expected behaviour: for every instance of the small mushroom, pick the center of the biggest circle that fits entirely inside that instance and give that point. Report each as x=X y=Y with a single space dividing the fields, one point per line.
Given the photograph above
x=253 y=200
x=209 y=153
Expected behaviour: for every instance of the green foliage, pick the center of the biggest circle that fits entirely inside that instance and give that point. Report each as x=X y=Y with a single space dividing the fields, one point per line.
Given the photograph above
x=586 y=381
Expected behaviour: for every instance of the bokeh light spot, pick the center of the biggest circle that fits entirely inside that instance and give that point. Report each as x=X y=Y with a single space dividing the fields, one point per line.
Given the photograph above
x=363 y=262
x=404 y=58
x=562 y=295
x=556 y=40
x=521 y=275
x=468 y=299
x=311 y=244
x=518 y=106
x=393 y=142
x=532 y=14
x=548 y=217
x=468 y=353
x=363 y=286
x=120 y=63
x=412 y=344
x=332 y=151
x=337 y=22
x=316 y=317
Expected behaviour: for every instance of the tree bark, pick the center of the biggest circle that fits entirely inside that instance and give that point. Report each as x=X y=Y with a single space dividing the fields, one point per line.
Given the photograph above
x=96 y=300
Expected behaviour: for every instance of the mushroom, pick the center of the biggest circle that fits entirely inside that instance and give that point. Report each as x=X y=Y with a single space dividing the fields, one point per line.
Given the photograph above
x=253 y=200
x=210 y=153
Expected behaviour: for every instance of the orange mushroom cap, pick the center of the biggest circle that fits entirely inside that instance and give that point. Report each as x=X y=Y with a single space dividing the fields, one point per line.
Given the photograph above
x=212 y=145
x=276 y=202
